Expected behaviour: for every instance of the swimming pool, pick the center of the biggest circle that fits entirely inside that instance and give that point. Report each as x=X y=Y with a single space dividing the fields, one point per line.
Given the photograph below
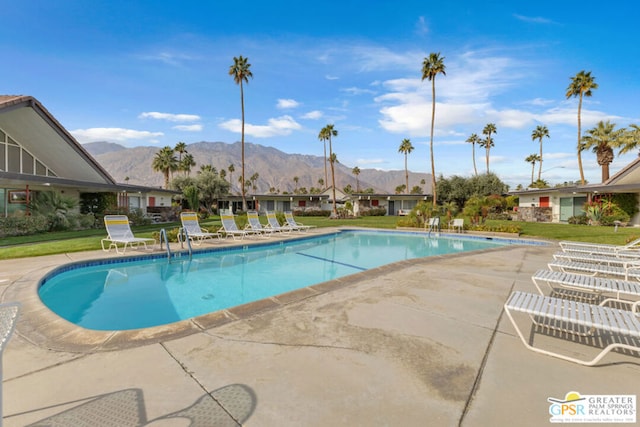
x=122 y=294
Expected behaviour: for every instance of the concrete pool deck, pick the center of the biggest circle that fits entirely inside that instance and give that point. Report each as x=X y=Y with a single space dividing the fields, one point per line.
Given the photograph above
x=421 y=342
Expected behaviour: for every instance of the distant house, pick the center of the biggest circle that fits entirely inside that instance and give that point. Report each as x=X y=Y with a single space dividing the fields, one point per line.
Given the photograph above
x=558 y=204
x=394 y=204
x=38 y=154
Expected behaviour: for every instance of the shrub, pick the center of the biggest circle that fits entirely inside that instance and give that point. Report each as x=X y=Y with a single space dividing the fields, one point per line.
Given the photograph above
x=311 y=212
x=579 y=220
x=22 y=225
x=616 y=214
x=373 y=212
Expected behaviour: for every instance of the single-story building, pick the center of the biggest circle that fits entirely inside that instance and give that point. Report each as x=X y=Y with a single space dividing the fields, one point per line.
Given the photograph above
x=558 y=204
x=394 y=204
x=38 y=154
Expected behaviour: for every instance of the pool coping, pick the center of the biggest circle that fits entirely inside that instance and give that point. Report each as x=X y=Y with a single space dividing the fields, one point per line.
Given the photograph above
x=44 y=328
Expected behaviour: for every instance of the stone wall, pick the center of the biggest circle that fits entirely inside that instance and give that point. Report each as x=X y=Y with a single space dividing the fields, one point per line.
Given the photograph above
x=534 y=214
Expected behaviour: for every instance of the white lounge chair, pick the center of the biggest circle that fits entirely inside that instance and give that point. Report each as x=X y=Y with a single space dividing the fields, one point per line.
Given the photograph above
x=595 y=248
x=622 y=260
x=230 y=228
x=614 y=327
x=274 y=224
x=622 y=289
x=191 y=225
x=457 y=224
x=631 y=270
x=255 y=225
x=291 y=222
x=119 y=232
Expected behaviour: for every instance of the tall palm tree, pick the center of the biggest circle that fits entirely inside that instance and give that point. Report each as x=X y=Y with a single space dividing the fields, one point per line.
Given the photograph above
x=581 y=85
x=180 y=148
x=165 y=161
x=539 y=133
x=323 y=137
x=532 y=158
x=241 y=73
x=406 y=148
x=356 y=172
x=295 y=181
x=431 y=67
x=487 y=143
x=187 y=163
x=473 y=140
x=326 y=134
x=602 y=139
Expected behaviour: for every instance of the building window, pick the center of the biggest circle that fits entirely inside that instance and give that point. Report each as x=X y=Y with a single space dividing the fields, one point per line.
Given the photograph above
x=375 y=203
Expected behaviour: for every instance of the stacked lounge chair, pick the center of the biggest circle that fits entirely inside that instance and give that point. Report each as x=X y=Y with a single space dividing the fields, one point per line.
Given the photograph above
x=573 y=279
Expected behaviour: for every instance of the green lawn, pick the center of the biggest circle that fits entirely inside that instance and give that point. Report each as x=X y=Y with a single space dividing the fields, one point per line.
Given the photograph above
x=75 y=241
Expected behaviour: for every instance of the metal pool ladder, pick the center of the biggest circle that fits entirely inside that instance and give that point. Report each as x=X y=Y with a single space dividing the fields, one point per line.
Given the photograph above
x=164 y=239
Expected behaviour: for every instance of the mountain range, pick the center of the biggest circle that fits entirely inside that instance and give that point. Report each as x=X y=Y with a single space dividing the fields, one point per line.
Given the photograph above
x=275 y=168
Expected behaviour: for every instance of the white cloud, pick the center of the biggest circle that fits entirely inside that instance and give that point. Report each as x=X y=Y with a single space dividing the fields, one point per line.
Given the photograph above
x=279 y=126
x=330 y=77
x=287 y=103
x=170 y=117
x=188 y=128
x=533 y=19
x=114 y=134
x=168 y=58
x=421 y=27
x=358 y=91
x=313 y=115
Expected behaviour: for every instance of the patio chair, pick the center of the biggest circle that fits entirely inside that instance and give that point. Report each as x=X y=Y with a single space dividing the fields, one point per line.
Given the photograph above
x=559 y=280
x=291 y=222
x=119 y=232
x=595 y=248
x=256 y=226
x=457 y=224
x=191 y=225
x=630 y=270
x=230 y=228
x=614 y=327
x=433 y=224
x=274 y=224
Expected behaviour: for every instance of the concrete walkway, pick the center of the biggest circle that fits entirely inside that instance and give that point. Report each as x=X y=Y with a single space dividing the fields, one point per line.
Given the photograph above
x=417 y=343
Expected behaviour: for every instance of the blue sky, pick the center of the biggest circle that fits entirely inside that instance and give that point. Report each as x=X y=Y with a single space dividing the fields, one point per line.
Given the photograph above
x=156 y=72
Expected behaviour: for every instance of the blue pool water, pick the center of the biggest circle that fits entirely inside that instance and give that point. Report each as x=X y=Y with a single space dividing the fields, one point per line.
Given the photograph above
x=151 y=291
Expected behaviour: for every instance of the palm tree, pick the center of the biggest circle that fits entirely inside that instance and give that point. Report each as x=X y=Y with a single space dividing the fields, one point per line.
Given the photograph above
x=533 y=158
x=326 y=134
x=406 y=148
x=241 y=73
x=231 y=170
x=581 y=85
x=187 y=163
x=165 y=161
x=431 y=67
x=323 y=137
x=356 y=172
x=487 y=143
x=180 y=148
x=631 y=140
x=539 y=133
x=602 y=139
x=321 y=181
x=473 y=140
x=295 y=181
